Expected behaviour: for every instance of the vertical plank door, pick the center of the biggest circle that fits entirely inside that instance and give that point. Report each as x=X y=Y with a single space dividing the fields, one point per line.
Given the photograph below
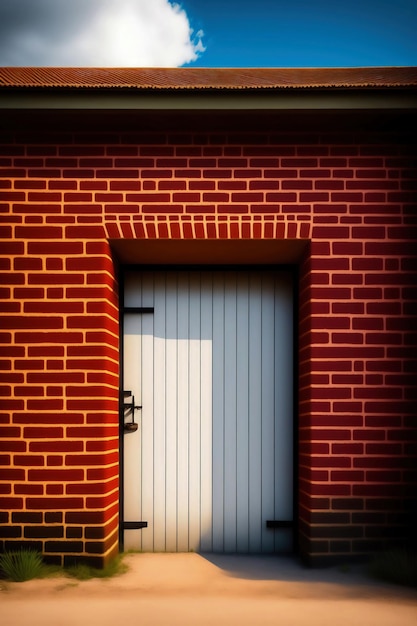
x=212 y=367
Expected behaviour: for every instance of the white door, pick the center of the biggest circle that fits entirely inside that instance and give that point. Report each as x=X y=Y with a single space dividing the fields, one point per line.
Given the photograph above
x=212 y=367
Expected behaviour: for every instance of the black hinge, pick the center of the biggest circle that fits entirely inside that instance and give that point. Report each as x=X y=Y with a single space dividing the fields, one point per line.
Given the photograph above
x=134 y=525
x=272 y=523
x=139 y=309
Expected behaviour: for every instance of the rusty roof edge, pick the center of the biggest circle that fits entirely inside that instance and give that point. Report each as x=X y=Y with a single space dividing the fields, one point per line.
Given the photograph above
x=211 y=89
x=206 y=79
x=207 y=88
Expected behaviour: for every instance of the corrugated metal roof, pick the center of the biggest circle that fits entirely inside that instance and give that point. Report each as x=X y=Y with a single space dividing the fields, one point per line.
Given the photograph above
x=207 y=78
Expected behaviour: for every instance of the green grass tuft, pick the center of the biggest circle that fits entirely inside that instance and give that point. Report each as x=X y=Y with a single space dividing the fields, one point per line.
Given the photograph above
x=21 y=565
x=85 y=572
x=27 y=564
x=396 y=566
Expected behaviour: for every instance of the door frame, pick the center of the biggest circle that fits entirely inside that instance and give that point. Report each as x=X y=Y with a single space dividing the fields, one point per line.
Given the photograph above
x=294 y=271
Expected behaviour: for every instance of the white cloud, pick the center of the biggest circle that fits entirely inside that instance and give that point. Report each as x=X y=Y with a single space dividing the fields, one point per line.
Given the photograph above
x=106 y=33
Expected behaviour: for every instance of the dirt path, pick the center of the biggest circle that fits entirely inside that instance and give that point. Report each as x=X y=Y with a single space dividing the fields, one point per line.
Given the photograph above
x=189 y=589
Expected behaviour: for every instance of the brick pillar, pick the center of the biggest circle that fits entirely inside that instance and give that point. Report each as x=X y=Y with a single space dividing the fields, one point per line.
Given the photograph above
x=357 y=400
x=59 y=425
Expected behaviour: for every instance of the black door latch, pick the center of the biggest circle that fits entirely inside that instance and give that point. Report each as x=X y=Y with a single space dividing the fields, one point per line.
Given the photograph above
x=129 y=408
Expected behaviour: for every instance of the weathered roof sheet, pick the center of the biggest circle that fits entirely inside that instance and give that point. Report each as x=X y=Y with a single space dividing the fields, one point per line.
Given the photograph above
x=207 y=78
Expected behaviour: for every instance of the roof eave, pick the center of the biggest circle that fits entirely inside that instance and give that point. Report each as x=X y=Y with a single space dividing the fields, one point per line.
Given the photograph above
x=176 y=99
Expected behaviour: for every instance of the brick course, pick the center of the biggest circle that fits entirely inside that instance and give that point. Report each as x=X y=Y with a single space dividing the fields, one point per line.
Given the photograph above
x=350 y=197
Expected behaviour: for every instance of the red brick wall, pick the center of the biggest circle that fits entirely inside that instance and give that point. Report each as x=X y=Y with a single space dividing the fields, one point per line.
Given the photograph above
x=64 y=195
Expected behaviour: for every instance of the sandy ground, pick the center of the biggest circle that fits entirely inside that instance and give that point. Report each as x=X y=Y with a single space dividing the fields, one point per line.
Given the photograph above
x=185 y=589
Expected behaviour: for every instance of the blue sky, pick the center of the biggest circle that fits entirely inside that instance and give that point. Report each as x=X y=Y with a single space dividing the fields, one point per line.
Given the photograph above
x=208 y=33
x=305 y=33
